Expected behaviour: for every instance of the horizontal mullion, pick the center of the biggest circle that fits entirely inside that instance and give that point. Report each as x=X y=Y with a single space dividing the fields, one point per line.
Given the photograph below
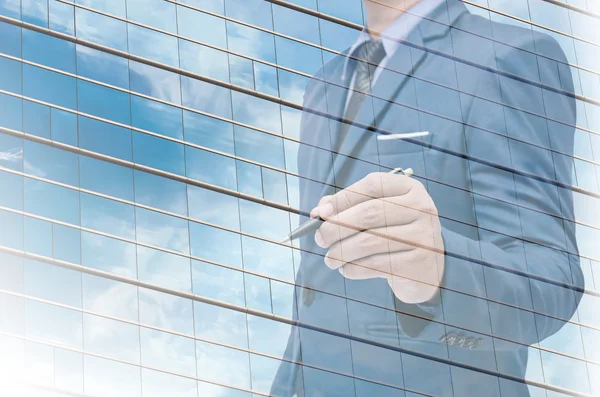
x=414 y=45
x=234 y=194
x=268 y=316
x=572 y=7
x=298 y=107
x=357 y=26
x=245 y=234
x=285 y=171
x=247 y=350
x=285 y=102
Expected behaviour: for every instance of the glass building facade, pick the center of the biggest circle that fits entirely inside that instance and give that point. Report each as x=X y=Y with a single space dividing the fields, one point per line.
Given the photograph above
x=149 y=168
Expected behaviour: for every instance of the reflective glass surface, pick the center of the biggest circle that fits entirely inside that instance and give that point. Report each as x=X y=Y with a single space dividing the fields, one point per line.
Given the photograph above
x=154 y=154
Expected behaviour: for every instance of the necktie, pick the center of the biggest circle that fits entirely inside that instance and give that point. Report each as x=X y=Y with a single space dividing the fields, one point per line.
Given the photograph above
x=370 y=52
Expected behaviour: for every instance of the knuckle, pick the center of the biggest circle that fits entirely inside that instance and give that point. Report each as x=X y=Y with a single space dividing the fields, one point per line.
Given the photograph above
x=371 y=213
x=373 y=184
x=368 y=240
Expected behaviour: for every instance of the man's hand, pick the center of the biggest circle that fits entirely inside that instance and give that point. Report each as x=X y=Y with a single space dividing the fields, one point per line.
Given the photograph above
x=385 y=225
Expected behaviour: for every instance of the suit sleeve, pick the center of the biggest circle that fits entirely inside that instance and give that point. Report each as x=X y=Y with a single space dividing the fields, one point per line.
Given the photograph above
x=524 y=248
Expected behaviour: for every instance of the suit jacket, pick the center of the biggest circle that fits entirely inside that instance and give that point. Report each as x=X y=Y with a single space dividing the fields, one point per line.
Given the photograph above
x=507 y=246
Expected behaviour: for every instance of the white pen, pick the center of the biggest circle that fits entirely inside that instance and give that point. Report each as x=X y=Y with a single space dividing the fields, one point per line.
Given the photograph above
x=405 y=135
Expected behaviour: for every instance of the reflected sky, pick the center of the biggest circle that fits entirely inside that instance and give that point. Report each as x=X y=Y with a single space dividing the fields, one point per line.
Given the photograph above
x=176 y=353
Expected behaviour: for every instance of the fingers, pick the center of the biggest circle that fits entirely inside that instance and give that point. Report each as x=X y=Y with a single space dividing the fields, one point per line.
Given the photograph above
x=372 y=214
x=377 y=266
x=367 y=244
x=373 y=186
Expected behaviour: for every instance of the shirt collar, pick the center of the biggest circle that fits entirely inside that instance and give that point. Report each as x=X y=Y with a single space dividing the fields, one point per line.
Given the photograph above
x=397 y=31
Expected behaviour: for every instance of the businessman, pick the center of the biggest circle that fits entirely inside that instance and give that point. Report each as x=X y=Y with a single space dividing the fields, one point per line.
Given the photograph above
x=468 y=248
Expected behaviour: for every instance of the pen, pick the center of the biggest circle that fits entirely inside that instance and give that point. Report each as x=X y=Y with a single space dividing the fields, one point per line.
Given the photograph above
x=312 y=225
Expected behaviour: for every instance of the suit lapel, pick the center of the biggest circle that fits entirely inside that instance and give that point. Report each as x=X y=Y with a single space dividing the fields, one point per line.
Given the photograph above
x=405 y=62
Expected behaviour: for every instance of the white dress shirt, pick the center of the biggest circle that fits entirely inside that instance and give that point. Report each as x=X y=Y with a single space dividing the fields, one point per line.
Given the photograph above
x=392 y=35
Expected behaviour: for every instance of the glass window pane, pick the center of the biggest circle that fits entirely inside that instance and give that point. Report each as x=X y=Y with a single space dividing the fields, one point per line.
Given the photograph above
x=166 y=311
x=274 y=186
x=68 y=370
x=217 y=282
x=263 y=221
x=105 y=138
x=258 y=146
x=160 y=384
x=158 y=153
x=296 y=24
x=298 y=56
x=203 y=60
x=152 y=45
x=66 y=244
x=11 y=190
x=53 y=324
x=250 y=42
x=269 y=259
x=162 y=230
x=211 y=389
x=49 y=86
x=107 y=216
x=213 y=207
x=220 y=325
x=11 y=80
x=11 y=236
x=51 y=163
x=63 y=126
x=102 y=66
x=11 y=109
x=223 y=365
x=265 y=79
x=47 y=50
x=111 y=298
x=115 y=7
x=51 y=201
x=168 y=352
x=11 y=151
x=206 y=97
x=209 y=132
x=215 y=245
x=258 y=293
x=36 y=119
x=52 y=283
x=106 y=178
x=249 y=178
x=103 y=102
x=256 y=112
x=108 y=254
x=111 y=378
x=350 y=10
x=111 y=338
x=35 y=12
x=210 y=167
x=162 y=193
x=241 y=71
x=156 y=117
x=164 y=269
x=61 y=17
x=254 y=12
x=216 y=6
x=201 y=27
x=11 y=8
x=11 y=38
x=94 y=27
x=156 y=13
x=157 y=83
